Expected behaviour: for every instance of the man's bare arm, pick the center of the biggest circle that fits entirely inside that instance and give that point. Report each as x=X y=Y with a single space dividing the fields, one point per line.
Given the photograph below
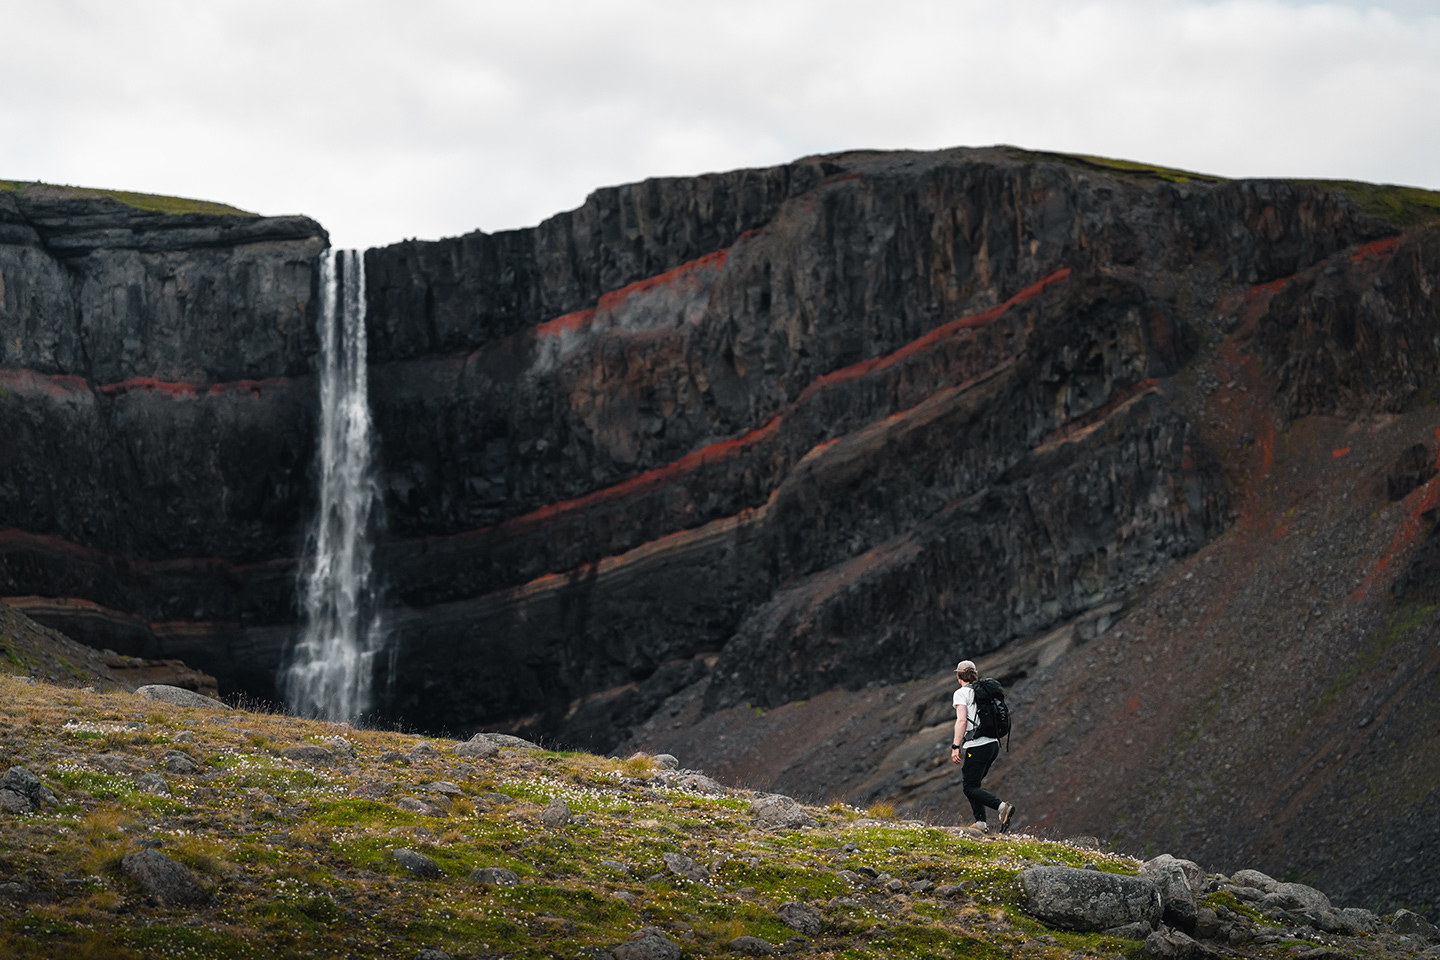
x=960 y=722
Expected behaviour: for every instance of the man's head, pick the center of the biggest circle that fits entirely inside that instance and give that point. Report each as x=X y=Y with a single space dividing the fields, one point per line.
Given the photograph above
x=965 y=671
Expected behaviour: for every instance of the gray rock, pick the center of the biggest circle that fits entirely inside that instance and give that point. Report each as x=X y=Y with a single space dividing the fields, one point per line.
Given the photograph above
x=342 y=748
x=1088 y=900
x=417 y=863
x=1139 y=930
x=478 y=747
x=666 y=762
x=1296 y=898
x=152 y=783
x=895 y=886
x=682 y=866
x=556 y=813
x=505 y=741
x=693 y=782
x=309 y=753
x=779 y=810
x=178 y=761
x=1254 y=879
x=617 y=866
x=1407 y=923
x=1363 y=921
x=22 y=792
x=801 y=917
x=178 y=696
x=424 y=750
x=422 y=807
x=1194 y=874
x=647 y=943
x=949 y=890
x=444 y=786
x=751 y=946
x=1084 y=843
x=494 y=876
x=920 y=886
x=1170 y=945
x=594 y=953
x=432 y=955
x=1177 y=899
x=167 y=880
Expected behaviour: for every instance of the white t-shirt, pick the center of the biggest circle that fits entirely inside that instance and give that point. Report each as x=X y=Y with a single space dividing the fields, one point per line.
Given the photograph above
x=966 y=695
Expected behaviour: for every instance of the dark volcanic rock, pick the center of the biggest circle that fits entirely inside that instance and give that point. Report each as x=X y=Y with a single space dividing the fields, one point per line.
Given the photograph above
x=1089 y=899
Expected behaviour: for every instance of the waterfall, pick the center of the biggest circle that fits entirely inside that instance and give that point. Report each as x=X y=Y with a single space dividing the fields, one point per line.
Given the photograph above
x=331 y=668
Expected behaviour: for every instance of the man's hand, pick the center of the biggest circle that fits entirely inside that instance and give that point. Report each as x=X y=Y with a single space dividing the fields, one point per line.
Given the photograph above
x=954 y=755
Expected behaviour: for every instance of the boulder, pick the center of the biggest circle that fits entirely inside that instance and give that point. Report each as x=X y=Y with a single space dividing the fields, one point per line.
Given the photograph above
x=693 y=782
x=1089 y=900
x=556 y=813
x=1254 y=879
x=1407 y=923
x=751 y=946
x=1140 y=930
x=1296 y=898
x=494 y=876
x=479 y=747
x=1171 y=945
x=178 y=761
x=309 y=753
x=22 y=792
x=422 y=807
x=178 y=696
x=647 y=943
x=1360 y=920
x=682 y=866
x=505 y=741
x=666 y=762
x=417 y=863
x=1194 y=874
x=779 y=810
x=801 y=917
x=152 y=783
x=167 y=880
x=1177 y=898
x=342 y=748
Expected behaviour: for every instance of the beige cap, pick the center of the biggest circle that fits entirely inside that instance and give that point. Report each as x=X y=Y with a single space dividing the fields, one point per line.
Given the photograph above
x=964 y=665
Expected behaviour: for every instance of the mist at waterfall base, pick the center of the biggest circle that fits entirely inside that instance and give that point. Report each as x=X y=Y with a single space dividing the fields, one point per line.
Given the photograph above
x=330 y=670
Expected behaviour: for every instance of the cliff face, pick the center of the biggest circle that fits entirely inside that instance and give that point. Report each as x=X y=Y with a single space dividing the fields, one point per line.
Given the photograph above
x=753 y=438
x=157 y=410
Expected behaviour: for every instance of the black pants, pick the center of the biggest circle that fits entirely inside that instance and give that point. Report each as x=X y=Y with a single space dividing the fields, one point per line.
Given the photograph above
x=972 y=772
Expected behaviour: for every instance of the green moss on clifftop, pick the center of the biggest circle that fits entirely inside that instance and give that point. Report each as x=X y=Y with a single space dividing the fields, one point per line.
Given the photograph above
x=140 y=201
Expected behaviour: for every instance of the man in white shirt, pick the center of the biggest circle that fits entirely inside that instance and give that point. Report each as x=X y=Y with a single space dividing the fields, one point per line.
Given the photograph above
x=976 y=753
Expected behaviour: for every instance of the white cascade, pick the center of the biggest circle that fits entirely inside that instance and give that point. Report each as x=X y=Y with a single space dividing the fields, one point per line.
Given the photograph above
x=330 y=670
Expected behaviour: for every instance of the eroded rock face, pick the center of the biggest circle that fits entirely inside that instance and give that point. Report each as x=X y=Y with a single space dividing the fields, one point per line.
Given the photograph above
x=771 y=430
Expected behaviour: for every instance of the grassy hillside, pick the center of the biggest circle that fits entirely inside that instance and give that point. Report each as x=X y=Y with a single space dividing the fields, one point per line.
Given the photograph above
x=141 y=201
x=296 y=857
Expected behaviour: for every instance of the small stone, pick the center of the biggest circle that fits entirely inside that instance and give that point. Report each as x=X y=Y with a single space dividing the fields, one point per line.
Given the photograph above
x=445 y=787
x=177 y=761
x=494 y=876
x=895 y=886
x=626 y=896
x=422 y=807
x=779 y=810
x=801 y=917
x=751 y=946
x=666 y=762
x=309 y=753
x=417 y=863
x=178 y=696
x=920 y=886
x=1084 y=843
x=184 y=736
x=948 y=890
x=647 y=943
x=479 y=747
x=22 y=792
x=432 y=955
x=682 y=866
x=394 y=756
x=152 y=783
x=167 y=880
x=556 y=813
x=423 y=750
x=342 y=747
x=1407 y=923
x=747 y=891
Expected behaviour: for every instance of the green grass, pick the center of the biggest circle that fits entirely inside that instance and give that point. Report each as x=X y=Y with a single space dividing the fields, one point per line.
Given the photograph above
x=154 y=202
x=1402 y=206
x=1148 y=171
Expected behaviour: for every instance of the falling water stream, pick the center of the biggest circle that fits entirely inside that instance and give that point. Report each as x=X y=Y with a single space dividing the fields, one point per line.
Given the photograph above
x=331 y=668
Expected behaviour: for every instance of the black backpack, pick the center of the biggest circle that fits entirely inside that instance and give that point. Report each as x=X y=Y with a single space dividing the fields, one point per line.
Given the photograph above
x=992 y=713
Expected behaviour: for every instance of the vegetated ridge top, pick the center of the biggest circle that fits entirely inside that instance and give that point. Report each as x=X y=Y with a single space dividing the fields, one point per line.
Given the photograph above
x=154 y=202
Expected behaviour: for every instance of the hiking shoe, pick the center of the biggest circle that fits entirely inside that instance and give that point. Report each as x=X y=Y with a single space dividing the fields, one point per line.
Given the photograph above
x=1007 y=810
x=980 y=825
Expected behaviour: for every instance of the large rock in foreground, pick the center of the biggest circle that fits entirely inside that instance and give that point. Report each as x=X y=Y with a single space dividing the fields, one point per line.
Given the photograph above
x=1089 y=900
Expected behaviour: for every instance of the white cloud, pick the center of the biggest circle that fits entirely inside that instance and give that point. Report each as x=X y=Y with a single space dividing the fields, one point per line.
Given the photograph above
x=387 y=120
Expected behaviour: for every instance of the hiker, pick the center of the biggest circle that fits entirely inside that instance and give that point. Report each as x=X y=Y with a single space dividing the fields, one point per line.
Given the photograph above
x=979 y=751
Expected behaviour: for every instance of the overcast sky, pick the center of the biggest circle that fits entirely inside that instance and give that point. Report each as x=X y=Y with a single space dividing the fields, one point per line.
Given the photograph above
x=387 y=120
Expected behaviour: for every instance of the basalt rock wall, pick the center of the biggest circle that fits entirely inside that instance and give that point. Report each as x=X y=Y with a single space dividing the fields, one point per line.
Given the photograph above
x=786 y=429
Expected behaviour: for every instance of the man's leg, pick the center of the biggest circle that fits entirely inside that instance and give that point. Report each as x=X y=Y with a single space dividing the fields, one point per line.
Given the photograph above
x=977 y=764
